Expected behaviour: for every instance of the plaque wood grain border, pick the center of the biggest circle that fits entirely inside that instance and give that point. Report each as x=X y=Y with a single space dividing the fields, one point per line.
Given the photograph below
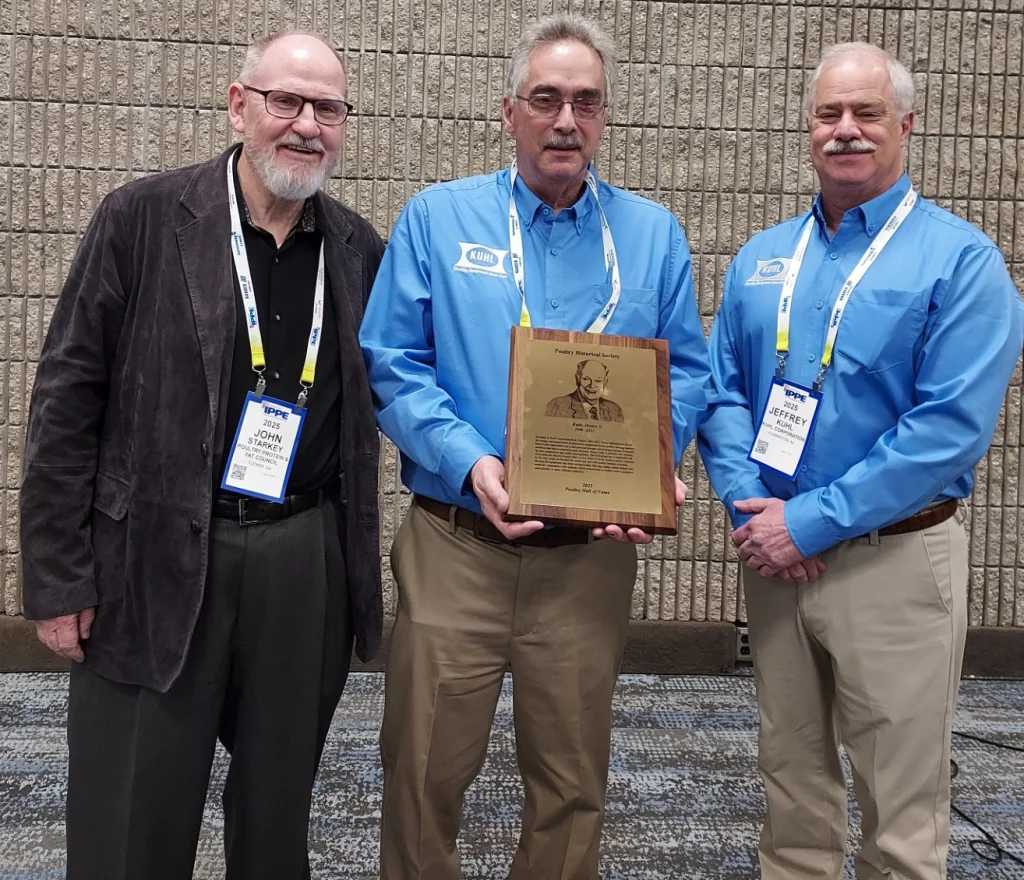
x=663 y=523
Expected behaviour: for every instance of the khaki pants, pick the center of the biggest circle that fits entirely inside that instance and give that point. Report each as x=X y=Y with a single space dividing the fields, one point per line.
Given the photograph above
x=467 y=610
x=869 y=656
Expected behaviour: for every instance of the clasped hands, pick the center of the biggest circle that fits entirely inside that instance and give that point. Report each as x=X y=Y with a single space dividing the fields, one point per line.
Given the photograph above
x=488 y=481
x=765 y=545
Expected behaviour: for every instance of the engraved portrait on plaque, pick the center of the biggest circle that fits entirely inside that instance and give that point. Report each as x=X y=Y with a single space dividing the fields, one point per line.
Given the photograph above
x=588 y=401
x=589 y=438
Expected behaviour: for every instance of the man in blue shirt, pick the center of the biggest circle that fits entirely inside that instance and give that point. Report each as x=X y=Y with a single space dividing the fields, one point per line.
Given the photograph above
x=477 y=593
x=843 y=467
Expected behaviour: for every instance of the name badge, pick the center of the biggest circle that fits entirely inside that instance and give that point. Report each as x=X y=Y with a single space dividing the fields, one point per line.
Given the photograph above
x=263 y=450
x=786 y=425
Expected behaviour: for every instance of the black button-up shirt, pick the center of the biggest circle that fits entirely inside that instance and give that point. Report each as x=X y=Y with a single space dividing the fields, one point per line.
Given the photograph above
x=283 y=280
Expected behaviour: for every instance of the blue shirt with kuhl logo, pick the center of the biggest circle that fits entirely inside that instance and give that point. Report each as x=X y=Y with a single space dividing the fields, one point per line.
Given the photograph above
x=926 y=348
x=435 y=336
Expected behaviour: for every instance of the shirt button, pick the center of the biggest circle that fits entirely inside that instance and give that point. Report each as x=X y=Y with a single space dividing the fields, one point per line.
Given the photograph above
x=277 y=317
x=803 y=468
x=547 y=211
x=810 y=357
x=554 y=252
x=834 y=256
x=204 y=449
x=554 y=303
x=277 y=260
x=195 y=527
x=871 y=228
x=819 y=304
x=278 y=375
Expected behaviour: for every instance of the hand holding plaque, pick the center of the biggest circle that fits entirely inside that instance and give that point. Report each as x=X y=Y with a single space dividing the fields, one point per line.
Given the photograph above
x=589 y=439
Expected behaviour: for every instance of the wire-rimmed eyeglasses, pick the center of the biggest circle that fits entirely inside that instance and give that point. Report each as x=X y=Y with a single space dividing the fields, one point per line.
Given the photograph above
x=548 y=105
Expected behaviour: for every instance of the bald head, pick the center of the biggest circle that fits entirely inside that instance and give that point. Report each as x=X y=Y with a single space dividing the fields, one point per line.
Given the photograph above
x=289 y=47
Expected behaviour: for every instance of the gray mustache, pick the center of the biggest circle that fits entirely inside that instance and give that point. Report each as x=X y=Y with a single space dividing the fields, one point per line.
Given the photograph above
x=566 y=143
x=858 y=145
x=304 y=143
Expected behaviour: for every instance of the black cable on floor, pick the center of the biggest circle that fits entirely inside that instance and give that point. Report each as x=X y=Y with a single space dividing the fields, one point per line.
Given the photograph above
x=986 y=847
x=989 y=742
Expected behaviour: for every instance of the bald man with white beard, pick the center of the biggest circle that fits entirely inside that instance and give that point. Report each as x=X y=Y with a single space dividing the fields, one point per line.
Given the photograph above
x=198 y=513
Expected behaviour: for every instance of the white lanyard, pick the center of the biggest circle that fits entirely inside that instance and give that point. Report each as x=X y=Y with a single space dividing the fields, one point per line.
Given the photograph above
x=786 y=297
x=611 y=261
x=252 y=318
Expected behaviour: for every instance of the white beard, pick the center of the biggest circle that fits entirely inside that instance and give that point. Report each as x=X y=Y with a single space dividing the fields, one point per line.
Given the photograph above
x=290 y=184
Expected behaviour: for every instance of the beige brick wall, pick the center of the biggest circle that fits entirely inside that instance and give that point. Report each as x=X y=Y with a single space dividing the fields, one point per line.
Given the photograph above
x=706 y=121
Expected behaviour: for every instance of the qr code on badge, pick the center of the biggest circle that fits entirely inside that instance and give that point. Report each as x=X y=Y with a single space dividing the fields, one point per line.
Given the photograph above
x=760 y=448
x=237 y=472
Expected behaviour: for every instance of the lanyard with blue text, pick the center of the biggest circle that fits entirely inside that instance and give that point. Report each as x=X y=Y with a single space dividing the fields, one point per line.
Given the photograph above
x=252 y=319
x=786 y=297
x=516 y=249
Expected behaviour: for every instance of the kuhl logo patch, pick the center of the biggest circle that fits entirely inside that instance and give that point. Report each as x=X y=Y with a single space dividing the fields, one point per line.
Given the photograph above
x=481 y=259
x=770 y=271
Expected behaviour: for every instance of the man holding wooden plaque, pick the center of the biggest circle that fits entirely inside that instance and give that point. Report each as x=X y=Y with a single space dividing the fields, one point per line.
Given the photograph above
x=601 y=404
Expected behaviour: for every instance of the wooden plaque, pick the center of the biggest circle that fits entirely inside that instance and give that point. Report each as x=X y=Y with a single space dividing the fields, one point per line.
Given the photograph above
x=589 y=440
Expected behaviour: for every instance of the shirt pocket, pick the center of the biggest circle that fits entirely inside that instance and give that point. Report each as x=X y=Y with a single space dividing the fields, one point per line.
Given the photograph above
x=636 y=313
x=881 y=327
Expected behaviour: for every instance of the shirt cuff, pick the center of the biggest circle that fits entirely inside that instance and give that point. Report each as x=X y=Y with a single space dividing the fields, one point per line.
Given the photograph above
x=753 y=489
x=810 y=531
x=460 y=455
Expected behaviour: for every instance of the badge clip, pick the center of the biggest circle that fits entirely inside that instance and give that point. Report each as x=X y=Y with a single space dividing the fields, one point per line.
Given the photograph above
x=261 y=386
x=300 y=401
x=780 y=370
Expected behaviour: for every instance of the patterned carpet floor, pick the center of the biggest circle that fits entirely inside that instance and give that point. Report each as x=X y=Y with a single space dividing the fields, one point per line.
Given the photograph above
x=684 y=799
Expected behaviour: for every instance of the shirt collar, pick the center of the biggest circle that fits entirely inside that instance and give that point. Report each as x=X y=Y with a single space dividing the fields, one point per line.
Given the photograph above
x=306 y=222
x=530 y=207
x=873 y=214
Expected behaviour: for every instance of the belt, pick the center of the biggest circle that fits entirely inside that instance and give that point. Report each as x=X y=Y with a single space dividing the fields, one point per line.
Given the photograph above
x=482 y=528
x=256 y=511
x=923 y=519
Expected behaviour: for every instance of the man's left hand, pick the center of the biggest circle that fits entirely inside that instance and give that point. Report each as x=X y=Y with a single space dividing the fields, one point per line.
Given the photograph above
x=638 y=536
x=763 y=542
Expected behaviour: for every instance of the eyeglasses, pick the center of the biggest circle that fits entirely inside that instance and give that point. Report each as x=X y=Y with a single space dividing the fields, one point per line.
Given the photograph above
x=585 y=107
x=288 y=105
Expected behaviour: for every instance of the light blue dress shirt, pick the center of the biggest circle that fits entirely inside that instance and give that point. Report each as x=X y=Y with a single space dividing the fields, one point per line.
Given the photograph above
x=925 y=351
x=436 y=332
